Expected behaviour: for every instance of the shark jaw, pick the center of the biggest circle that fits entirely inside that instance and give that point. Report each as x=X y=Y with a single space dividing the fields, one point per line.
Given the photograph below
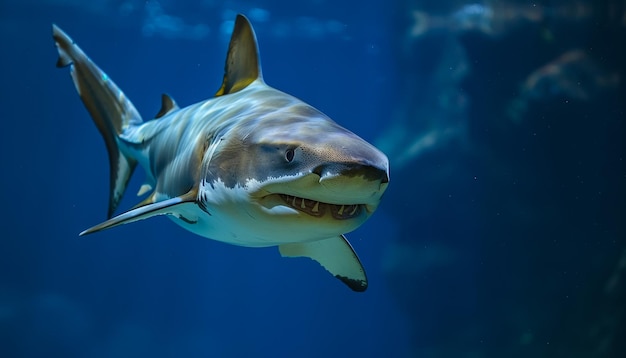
x=319 y=209
x=285 y=209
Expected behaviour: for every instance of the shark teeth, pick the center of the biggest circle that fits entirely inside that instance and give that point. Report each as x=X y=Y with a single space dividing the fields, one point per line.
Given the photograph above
x=318 y=208
x=345 y=211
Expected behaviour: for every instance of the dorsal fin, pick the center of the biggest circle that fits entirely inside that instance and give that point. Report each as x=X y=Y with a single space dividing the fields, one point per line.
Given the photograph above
x=242 y=60
x=167 y=105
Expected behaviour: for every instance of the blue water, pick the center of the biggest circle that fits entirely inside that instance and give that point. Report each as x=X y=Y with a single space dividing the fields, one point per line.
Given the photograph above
x=500 y=235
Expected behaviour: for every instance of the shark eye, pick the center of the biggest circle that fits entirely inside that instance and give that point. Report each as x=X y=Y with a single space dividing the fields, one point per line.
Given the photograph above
x=289 y=154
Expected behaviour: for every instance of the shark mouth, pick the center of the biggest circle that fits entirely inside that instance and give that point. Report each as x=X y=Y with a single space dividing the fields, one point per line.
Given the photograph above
x=318 y=208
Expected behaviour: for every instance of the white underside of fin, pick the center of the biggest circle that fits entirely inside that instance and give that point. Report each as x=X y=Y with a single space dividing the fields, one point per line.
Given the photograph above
x=335 y=255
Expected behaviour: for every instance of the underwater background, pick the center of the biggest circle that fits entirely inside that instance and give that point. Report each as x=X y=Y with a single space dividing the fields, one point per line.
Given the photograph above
x=502 y=233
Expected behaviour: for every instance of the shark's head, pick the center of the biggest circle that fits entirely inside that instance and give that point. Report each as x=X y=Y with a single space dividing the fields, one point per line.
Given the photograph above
x=282 y=164
x=289 y=166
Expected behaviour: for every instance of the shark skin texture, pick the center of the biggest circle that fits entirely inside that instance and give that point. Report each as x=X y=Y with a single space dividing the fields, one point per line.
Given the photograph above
x=251 y=166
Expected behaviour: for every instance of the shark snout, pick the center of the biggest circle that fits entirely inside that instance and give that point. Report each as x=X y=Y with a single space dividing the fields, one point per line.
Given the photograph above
x=353 y=182
x=355 y=160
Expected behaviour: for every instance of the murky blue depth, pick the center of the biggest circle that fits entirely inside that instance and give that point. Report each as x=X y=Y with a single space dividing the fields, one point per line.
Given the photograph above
x=502 y=233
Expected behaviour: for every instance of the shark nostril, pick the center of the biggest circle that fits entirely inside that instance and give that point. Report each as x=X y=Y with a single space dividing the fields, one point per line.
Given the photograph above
x=367 y=171
x=319 y=170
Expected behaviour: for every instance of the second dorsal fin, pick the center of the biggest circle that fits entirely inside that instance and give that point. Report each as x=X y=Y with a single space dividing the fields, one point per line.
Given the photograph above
x=242 y=60
x=167 y=105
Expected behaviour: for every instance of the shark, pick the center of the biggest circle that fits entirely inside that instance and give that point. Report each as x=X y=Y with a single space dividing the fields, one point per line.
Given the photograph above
x=250 y=166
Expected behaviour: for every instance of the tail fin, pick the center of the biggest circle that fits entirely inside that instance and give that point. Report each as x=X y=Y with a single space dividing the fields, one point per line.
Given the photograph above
x=110 y=110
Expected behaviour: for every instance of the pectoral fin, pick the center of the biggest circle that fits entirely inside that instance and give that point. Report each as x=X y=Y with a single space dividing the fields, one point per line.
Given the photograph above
x=335 y=255
x=165 y=207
